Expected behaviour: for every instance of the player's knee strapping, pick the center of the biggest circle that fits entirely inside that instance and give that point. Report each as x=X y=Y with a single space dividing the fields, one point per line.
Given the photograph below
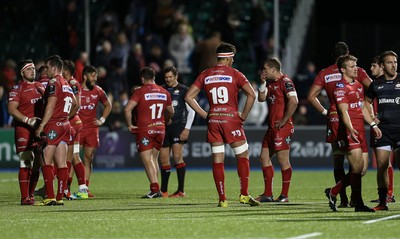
x=218 y=149
x=26 y=159
x=76 y=148
x=240 y=149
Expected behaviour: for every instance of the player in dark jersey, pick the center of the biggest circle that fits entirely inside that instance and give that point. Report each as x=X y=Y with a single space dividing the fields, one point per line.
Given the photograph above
x=348 y=97
x=221 y=84
x=176 y=133
x=25 y=106
x=387 y=92
x=376 y=73
x=156 y=110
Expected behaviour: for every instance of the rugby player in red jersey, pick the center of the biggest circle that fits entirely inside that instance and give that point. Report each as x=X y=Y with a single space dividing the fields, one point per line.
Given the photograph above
x=156 y=110
x=280 y=93
x=91 y=96
x=348 y=96
x=25 y=106
x=74 y=161
x=60 y=106
x=221 y=84
x=326 y=80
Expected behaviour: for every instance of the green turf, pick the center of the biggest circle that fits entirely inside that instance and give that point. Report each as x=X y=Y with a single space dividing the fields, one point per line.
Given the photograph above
x=119 y=212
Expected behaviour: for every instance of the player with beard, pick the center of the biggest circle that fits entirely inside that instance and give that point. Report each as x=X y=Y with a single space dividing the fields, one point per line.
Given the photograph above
x=376 y=73
x=91 y=95
x=25 y=105
x=74 y=161
x=386 y=92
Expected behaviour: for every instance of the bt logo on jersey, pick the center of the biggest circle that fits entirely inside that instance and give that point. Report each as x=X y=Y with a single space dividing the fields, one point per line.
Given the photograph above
x=90 y=106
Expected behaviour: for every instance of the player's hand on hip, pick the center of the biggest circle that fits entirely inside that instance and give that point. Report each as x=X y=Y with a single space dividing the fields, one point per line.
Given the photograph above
x=377 y=132
x=184 y=135
x=39 y=131
x=241 y=116
x=98 y=122
x=279 y=124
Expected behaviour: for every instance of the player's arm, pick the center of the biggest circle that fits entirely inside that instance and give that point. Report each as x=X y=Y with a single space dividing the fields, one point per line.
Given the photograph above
x=369 y=117
x=263 y=90
x=48 y=112
x=250 y=98
x=190 y=116
x=12 y=107
x=345 y=117
x=312 y=98
x=291 y=106
x=369 y=109
x=128 y=114
x=190 y=98
x=14 y=112
x=366 y=80
x=17 y=115
x=74 y=108
x=169 y=112
x=106 y=112
x=77 y=96
x=369 y=98
x=189 y=121
x=1 y=92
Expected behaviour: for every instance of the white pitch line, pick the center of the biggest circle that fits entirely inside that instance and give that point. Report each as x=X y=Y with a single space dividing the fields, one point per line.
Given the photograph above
x=8 y=180
x=381 y=219
x=314 y=234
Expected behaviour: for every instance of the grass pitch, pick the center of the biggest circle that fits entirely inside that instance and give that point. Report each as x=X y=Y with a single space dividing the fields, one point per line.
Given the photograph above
x=117 y=211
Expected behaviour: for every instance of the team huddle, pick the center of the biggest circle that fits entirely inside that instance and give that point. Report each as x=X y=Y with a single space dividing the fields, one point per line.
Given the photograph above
x=55 y=117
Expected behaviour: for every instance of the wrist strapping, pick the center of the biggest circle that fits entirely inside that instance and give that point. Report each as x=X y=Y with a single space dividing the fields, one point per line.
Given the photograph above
x=263 y=87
